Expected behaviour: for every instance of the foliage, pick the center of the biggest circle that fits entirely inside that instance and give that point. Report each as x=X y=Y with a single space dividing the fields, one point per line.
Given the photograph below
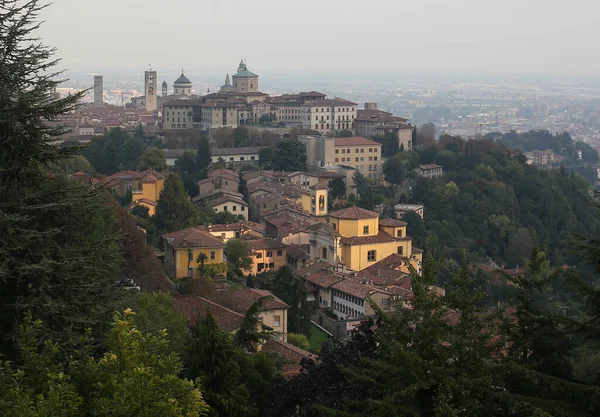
x=389 y=144
x=203 y=159
x=241 y=137
x=139 y=263
x=72 y=164
x=251 y=334
x=265 y=157
x=235 y=384
x=215 y=269
x=293 y=292
x=299 y=340
x=490 y=204
x=344 y=134
x=28 y=77
x=115 y=151
x=174 y=210
x=137 y=376
x=58 y=259
x=290 y=155
x=152 y=159
x=226 y=217
x=442 y=356
x=337 y=188
x=365 y=191
x=394 y=170
x=155 y=312
x=237 y=251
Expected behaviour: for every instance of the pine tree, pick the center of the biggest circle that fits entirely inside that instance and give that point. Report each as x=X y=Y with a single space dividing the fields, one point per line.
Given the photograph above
x=58 y=256
x=174 y=210
x=203 y=159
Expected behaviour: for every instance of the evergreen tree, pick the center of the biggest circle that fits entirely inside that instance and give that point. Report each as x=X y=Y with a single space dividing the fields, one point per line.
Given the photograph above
x=293 y=292
x=152 y=159
x=213 y=360
x=203 y=159
x=337 y=188
x=290 y=155
x=174 y=210
x=58 y=257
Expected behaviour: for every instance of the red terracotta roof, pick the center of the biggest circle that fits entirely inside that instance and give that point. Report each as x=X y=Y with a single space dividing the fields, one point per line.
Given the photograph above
x=355 y=141
x=291 y=354
x=266 y=243
x=193 y=307
x=354 y=213
x=192 y=238
x=243 y=299
x=380 y=237
x=319 y=187
x=357 y=289
x=296 y=252
x=391 y=223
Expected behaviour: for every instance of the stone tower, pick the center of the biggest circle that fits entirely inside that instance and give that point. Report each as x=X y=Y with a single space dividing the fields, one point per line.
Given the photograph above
x=98 y=91
x=319 y=195
x=244 y=80
x=150 y=90
x=165 y=89
x=227 y=86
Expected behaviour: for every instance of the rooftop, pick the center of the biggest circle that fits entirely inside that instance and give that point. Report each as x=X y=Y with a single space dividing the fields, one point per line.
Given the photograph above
x=225 y=198
x=354 y=213
x=192 y=238
x=355 y=141
x=235 y=151
x=243 y=299
x=391 y=223
x=194 y=308
x=292 y=355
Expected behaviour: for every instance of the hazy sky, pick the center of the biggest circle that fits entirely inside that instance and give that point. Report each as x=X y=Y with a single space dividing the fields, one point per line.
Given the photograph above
x=476 y=36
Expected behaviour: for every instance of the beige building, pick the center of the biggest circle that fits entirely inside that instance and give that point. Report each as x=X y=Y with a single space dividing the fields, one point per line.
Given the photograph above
x=179 y=114
x=329 y=116
x=362 y=154
x=430 y=171
x=372 y=122
x=402 y=209
x=249 y=154
x=244 y=80
x=229 y=203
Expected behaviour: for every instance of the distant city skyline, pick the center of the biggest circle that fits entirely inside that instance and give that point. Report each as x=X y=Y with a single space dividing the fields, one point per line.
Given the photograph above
x=351 y=36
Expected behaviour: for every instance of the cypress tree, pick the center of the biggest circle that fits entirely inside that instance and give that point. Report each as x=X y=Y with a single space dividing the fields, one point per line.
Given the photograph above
x=174 y=210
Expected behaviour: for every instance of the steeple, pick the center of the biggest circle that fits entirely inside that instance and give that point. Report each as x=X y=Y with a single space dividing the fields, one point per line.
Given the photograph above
x=227 y=81
x=242 y=66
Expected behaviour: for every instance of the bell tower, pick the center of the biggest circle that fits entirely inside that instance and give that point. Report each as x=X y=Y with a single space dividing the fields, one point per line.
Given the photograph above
x=319 y=196
x=165 y=89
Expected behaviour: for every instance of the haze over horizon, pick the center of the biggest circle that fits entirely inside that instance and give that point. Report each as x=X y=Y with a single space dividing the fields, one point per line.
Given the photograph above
x=471 y=36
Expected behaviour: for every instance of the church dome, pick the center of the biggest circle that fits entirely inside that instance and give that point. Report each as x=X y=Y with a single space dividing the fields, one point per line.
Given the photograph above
x=182 y=80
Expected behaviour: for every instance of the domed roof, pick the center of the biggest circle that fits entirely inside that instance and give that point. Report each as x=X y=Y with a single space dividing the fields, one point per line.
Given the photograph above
x=164 y=84
x=182 y=80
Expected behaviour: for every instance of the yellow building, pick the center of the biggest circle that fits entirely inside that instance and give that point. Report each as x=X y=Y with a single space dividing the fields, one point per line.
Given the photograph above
x=358 y=239
x=266 y=254
x=145 y=187
x=362 y=154
x=183 y=247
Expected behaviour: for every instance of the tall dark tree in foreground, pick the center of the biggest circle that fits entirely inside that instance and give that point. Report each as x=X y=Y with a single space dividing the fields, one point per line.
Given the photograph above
x=174 y=210
x=58 y=257
x=235 y=383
